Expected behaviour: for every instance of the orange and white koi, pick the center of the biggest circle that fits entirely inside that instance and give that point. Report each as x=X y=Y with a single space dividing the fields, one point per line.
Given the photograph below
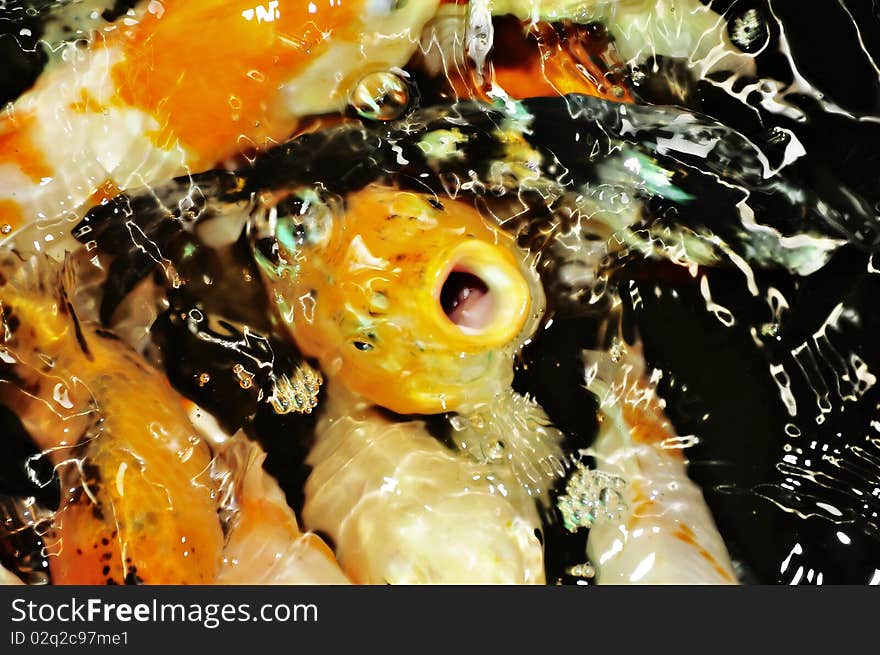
x=184 y=86
x=419 y=306
x=138 y=504
x=652 y=525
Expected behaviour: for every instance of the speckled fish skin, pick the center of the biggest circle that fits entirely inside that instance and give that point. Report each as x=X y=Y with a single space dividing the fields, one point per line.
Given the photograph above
x=138 y=504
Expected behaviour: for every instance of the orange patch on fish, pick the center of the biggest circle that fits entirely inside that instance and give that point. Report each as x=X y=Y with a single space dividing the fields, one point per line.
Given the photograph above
x=138 y=503
x=211 y=95
x=87 y=104
x=647 y=421
x=11 y=215
x=685 y=534
x=18 y=148
x=106 y=191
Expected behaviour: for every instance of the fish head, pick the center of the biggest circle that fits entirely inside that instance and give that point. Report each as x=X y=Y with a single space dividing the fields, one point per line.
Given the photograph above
x=414 y=303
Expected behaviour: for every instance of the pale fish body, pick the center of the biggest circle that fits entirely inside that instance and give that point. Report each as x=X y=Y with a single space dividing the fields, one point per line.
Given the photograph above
x=134 y=108
x=403 y=509
x=7 y=577
x=666 y=534
x=264 y=543
x=644 y=28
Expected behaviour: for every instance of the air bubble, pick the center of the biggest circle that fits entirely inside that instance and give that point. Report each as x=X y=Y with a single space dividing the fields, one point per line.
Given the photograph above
x=591 y=497
x=381 y=96
x=748 y=31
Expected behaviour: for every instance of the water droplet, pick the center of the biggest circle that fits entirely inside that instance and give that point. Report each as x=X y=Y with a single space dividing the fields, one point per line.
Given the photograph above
x=61 y=396
x=245 y=377
x=591 y=497
x=6 y=228
x=617 y=350
x=770 y=329
x=585 y=570
x=204 y=378
x=748 y=31
x=381 y=96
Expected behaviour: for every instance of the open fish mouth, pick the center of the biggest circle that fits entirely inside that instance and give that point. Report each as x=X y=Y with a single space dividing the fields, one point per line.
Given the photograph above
x=482 y=294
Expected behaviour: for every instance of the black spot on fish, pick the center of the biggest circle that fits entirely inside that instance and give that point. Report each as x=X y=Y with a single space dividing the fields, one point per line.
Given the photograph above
x=363 y=346
x=132 y=578
x=105 y=570
x=436 y=204
x=106 y=334
x=11 y=321
x=268 y=248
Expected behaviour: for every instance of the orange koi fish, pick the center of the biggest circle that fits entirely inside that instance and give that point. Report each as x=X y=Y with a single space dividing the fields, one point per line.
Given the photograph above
x=138 y=503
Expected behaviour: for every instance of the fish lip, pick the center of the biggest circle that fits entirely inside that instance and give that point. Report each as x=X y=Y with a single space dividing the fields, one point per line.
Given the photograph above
x=505 y=282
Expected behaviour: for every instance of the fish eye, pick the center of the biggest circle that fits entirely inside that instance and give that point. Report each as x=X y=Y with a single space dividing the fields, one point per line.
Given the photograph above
x=303 y=220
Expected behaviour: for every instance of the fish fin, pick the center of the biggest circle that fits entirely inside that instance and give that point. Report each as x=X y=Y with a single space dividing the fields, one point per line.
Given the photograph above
x=30 y=284
x=67 y=280
x=514 y=429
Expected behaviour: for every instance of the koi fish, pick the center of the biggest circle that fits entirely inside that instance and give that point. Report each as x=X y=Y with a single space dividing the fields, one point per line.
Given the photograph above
x=131 y=109
x=687 y=29
x=410 y=301
x=418 y=305
x=265 y=544
x=656 y=529
x=138 y=505
x=394 y=315
x=402 y=508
